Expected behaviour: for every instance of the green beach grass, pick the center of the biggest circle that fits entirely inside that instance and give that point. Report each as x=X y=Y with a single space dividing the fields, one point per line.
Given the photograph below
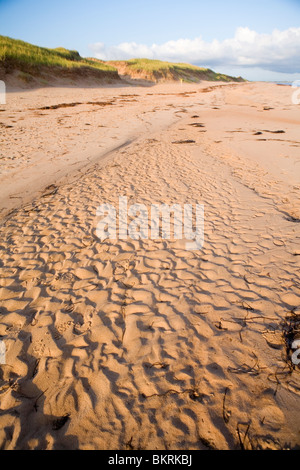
x=33 y=62
x=158 y=70
x=20 y=55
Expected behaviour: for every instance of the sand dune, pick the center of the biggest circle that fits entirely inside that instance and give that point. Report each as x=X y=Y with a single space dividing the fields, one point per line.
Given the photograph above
x=140 y=344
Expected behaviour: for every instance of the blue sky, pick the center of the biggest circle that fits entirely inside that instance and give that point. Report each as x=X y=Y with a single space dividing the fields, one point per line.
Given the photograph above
x=231 y=36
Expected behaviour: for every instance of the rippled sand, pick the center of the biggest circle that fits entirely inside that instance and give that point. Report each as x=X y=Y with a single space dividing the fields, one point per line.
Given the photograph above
x=142 y=344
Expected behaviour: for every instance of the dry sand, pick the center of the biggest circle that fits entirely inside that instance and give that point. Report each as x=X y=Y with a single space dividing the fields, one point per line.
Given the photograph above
x=142 y=344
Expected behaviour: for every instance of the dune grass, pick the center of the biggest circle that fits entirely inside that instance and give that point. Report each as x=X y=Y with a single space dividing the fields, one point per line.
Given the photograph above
x=156 y=65
x=157 y=69
x=16 y=54
x=34 y=61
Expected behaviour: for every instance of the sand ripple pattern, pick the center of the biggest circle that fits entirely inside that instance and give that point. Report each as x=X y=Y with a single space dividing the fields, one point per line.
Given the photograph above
x=141 y=344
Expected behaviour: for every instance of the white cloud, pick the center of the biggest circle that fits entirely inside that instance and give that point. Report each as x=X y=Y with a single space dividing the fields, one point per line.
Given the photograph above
x=278 y=51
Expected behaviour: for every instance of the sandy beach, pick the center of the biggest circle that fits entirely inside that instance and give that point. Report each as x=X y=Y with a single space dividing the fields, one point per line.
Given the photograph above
x=142 y=344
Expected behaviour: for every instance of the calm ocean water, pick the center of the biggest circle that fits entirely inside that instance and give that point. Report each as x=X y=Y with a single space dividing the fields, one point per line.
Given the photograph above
x=296 y=83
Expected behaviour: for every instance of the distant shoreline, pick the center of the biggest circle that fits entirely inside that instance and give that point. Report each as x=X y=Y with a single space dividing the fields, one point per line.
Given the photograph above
x=285 y=83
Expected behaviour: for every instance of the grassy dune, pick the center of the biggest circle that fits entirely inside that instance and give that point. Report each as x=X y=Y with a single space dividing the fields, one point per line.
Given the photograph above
x=39 y=65
x=33 y=61
x=158 y=71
